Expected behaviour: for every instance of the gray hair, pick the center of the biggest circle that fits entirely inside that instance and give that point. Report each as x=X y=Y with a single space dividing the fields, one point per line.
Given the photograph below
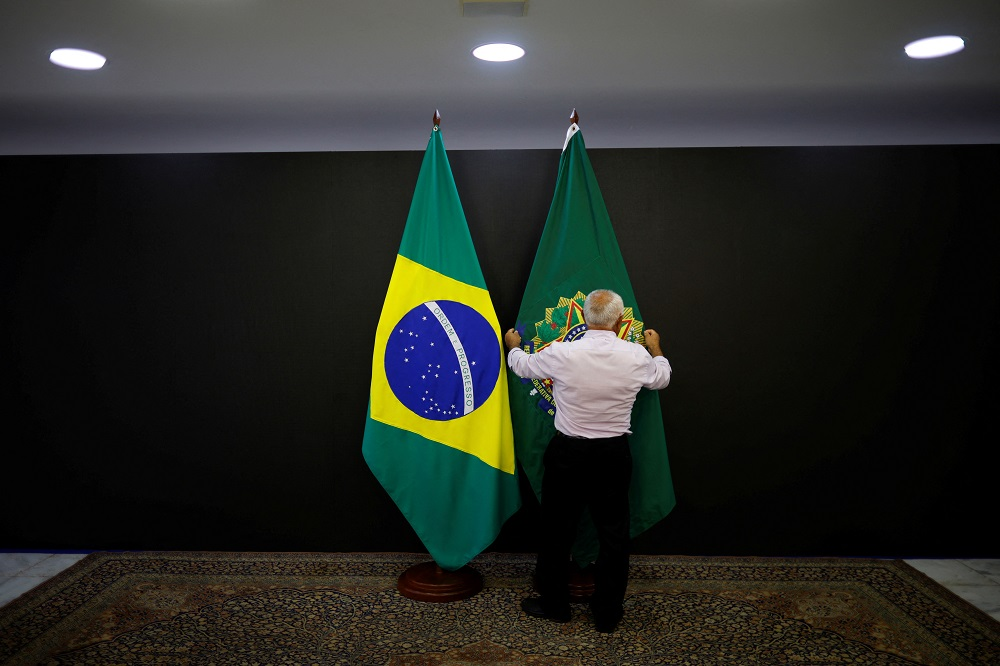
x=602 y=308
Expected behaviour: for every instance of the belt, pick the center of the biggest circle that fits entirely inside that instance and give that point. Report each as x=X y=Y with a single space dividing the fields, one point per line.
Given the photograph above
x=562 y=434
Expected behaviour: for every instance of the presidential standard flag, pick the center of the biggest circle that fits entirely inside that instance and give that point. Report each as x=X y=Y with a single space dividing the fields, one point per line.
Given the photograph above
x=438 y=435
x=578 y=252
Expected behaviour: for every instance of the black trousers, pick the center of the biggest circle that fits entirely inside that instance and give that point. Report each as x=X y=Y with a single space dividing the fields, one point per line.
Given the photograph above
x=591 y=473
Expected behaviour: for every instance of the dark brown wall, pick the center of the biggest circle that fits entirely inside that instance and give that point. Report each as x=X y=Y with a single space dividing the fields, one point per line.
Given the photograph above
x=187 y=342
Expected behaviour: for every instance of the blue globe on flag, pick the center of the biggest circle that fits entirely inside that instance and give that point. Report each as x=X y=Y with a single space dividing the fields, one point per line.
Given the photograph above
x=442 y=360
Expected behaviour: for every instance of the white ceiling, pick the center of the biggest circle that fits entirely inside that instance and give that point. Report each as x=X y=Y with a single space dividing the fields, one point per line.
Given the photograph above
x=321 y=75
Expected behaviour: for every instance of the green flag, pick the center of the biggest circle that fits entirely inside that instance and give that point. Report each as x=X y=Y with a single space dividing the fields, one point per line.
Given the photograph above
x=578 y=252
x=438 y=435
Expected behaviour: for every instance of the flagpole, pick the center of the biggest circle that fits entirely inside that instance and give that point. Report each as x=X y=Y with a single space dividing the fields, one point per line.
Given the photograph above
x=427 y=581
x=581 y=578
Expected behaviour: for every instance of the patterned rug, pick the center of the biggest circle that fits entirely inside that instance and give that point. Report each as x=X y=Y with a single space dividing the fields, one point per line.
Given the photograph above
x=251 y=608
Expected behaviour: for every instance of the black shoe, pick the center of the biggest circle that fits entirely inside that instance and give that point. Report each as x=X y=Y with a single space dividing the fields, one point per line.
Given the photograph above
x=607 y=625
x=533 y=607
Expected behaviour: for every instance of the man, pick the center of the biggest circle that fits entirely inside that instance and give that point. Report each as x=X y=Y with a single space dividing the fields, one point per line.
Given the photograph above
x=595 y=380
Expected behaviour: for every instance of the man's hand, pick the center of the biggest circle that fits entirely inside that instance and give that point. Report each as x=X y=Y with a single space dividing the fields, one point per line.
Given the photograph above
x=653 y=342
x=512 y=339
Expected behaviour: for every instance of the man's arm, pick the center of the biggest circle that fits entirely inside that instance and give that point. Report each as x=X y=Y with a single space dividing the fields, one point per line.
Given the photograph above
x=652 y=342
x=512 y=339
x=660 y=370
x=528 y=366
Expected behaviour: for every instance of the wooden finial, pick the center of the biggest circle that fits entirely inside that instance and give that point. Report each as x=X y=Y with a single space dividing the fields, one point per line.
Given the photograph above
x=437 y=118
x=573 y=118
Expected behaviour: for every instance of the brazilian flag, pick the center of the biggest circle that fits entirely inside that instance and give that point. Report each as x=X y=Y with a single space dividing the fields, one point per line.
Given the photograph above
x=438 y=435
x=577 y=253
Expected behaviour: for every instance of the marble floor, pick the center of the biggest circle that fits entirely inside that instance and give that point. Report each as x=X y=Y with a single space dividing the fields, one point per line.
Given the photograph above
x=976 y=581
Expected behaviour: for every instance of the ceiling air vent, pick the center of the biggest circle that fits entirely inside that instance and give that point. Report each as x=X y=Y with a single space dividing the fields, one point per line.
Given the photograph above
x=475 y=8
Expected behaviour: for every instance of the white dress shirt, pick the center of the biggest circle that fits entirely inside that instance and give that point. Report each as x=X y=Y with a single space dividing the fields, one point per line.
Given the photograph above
x=594 y=381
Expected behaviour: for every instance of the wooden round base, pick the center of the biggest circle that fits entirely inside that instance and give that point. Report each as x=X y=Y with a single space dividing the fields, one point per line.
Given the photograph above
x=429 y=582
x=581 y=584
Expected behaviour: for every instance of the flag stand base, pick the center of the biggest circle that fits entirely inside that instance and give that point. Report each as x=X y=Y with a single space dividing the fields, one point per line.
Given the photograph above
x=581 y=584
x=429 y=582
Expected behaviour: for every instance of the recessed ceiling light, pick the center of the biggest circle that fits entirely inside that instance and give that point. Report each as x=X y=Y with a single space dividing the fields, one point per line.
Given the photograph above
x=498 y=52
x=934 y=47
x=77 y=59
